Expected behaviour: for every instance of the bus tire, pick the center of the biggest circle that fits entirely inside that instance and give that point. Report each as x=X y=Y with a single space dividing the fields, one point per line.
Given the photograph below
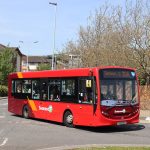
x=68 y=119
x=25 y=112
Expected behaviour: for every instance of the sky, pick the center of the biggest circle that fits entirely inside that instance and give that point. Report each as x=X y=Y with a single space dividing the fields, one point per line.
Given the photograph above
x=29 y=24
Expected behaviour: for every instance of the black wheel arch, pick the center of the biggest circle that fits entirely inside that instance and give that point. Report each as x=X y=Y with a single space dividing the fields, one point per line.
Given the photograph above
x=25 y=106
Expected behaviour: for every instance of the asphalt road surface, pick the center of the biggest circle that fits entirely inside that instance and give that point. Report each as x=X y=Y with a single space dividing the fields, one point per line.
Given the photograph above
x=17 y=133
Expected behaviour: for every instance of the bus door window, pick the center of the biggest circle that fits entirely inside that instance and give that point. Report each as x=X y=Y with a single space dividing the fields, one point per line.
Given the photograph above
x=54 y=90
x=85 y=91
x=35 y=89
x=44 y=92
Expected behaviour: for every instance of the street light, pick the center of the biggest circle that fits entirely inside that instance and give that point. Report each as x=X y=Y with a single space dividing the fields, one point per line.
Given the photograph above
x=53 y=55
x=28 y=54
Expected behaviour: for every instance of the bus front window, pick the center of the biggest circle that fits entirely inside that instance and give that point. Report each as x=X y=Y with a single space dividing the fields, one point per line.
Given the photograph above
x=115 y=91
x=118 y=90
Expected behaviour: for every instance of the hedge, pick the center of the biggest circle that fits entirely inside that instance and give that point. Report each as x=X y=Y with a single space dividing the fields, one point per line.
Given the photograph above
x=3 y=90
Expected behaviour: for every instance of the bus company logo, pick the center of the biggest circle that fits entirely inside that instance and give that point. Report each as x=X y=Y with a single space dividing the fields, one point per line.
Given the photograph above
x=120 y=111
x=49 y=109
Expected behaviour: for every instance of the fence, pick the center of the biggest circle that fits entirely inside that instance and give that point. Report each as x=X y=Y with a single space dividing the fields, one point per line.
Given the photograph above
x=145 y=97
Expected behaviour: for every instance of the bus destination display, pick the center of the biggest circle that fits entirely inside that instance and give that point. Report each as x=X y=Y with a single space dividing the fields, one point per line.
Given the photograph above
x=118 y=74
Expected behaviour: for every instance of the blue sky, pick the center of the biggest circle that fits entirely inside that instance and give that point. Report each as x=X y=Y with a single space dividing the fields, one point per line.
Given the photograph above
x=33 y=20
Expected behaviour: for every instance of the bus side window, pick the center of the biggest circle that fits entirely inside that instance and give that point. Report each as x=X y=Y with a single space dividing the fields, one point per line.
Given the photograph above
x=18 y=88
x=44 y=94
x=69 y=90
x=26 y=89
x=13 y=87
x=54 y=90
x=68 y=87
x=35 y=89
x=26 y=86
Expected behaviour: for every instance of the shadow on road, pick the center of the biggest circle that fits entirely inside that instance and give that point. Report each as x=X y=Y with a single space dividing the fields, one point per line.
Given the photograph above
x=111 y=129
x=103 y=129
x=38 y=120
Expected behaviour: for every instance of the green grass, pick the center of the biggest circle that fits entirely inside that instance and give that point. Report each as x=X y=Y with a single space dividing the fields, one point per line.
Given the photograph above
x=115 y=148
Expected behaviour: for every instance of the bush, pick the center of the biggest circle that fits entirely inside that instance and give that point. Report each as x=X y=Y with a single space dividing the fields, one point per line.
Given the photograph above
x=3 y=90
x=142 y=81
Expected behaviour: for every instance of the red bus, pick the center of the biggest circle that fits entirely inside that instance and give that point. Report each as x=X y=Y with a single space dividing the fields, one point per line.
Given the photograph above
x=100 y=96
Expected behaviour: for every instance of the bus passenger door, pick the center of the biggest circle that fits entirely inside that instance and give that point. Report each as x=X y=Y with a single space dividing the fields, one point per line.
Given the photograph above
x=86 y=95
x=39 y=97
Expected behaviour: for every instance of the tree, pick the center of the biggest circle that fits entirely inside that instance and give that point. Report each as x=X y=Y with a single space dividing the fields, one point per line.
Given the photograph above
x=116 y=36
x=44 y=66
x=7 y=59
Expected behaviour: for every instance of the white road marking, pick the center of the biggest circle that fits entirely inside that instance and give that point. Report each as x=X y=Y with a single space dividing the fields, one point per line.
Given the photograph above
x=4 y=104
x=1 y=117
x=4 y=142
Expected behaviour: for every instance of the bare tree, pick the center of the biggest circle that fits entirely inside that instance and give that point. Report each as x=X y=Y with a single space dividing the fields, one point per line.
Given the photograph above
x=116 y=36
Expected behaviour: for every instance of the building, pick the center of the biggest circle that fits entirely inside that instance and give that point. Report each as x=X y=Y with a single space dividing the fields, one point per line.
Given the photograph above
x=25 y=63
x=31 y=63
x=74 y=61
x=19 y=56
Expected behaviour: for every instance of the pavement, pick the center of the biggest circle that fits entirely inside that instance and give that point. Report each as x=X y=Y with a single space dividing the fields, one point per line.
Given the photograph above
x=144 y=114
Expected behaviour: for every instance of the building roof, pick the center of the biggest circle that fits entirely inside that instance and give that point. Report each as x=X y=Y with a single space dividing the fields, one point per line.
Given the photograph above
x=2 y=47
x=39 y=59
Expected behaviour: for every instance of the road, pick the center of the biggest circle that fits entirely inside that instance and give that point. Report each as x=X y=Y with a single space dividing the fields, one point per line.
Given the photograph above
x=17 y=133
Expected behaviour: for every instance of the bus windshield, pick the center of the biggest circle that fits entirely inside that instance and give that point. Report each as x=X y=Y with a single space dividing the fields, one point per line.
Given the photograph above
x=118 y=87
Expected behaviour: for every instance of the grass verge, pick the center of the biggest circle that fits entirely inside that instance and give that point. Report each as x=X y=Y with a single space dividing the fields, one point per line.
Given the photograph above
x=114 y=148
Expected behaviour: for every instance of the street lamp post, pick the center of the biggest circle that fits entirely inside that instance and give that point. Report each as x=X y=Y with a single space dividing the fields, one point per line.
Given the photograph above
x=28 y=54
x=53 y=55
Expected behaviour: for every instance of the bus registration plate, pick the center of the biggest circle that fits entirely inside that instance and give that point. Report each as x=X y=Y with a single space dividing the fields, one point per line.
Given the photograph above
x=121 y=123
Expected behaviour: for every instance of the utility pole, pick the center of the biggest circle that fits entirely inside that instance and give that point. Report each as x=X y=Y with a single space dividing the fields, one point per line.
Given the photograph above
x=53 y=55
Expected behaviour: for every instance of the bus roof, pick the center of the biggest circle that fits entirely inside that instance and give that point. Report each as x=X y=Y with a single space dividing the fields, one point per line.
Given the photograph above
x=63 y=73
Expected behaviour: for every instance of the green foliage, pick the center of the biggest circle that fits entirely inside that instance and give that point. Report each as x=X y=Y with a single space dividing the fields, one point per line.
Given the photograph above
x=7 y=61
x=3 y=90
x=44 y=67
x=142 y=81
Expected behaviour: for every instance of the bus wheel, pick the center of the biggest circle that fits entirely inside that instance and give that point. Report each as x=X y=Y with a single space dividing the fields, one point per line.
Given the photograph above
x=68 y=119
x=25 y=112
